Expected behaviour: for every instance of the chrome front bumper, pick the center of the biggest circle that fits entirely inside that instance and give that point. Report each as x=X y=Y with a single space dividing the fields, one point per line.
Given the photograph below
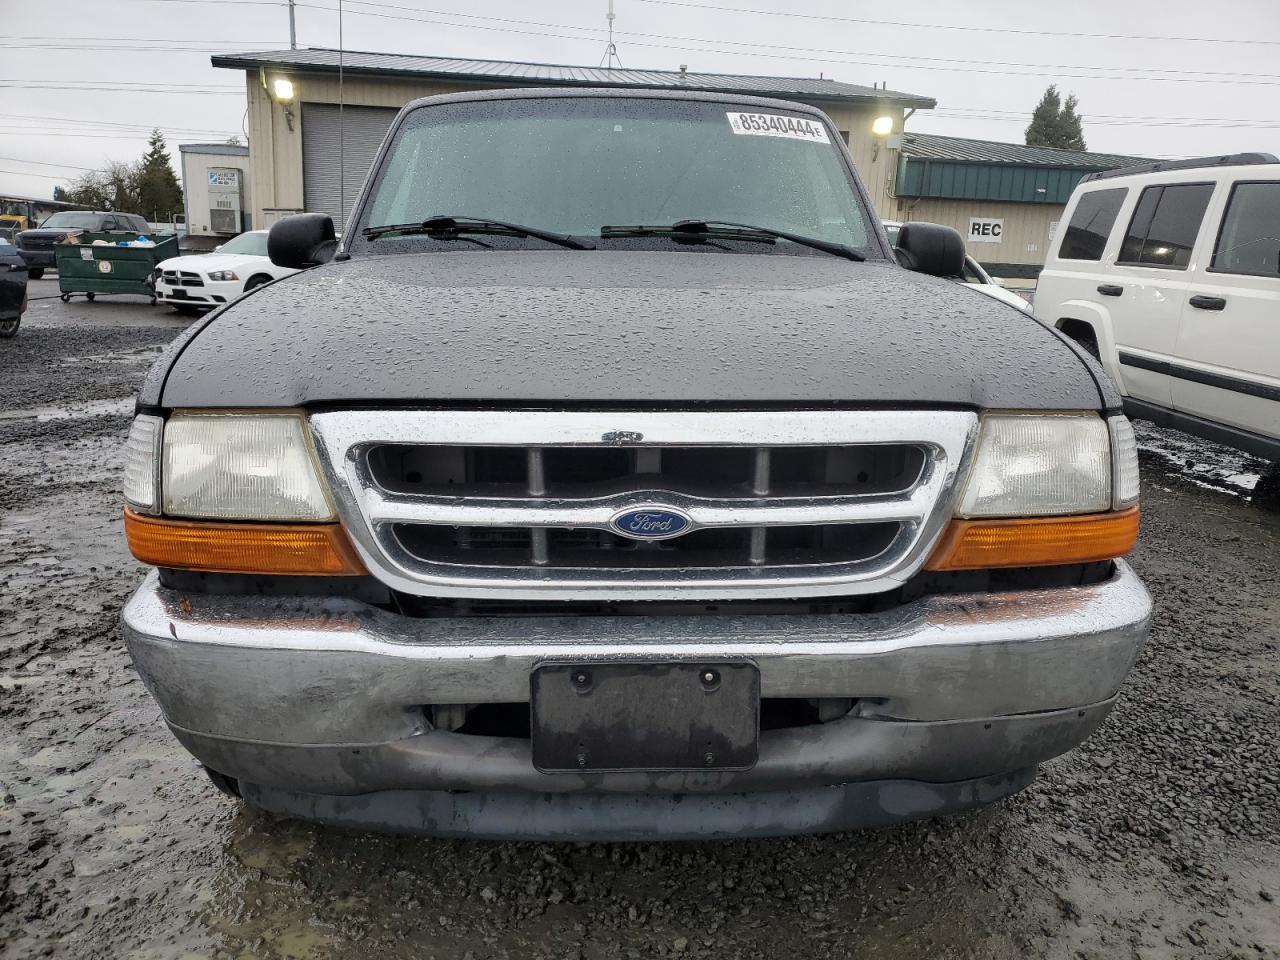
x=326 y=696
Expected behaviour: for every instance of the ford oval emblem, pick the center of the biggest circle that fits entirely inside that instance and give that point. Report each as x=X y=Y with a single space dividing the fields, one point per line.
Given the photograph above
x=651 y=523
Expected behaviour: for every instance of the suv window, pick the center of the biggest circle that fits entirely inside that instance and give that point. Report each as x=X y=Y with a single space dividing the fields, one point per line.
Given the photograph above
x=1091 y=224
x=1165 y=224
x=1249 y=241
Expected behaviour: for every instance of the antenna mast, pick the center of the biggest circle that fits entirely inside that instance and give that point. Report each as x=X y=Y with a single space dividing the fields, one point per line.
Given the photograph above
x=293 y=33
x=611 y=49
x=342 y=128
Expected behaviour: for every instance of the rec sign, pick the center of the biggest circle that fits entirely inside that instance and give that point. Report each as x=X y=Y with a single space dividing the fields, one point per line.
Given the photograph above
x=985 y=230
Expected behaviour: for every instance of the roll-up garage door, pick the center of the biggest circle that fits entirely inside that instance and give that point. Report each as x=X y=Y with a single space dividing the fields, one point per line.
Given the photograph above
x=362 y=131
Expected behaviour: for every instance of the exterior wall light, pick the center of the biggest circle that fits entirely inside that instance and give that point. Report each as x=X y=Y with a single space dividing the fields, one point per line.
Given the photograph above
x=282 y=90
x=881 y=127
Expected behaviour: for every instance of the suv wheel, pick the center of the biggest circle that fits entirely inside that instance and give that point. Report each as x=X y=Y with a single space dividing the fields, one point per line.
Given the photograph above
x=1082 y=334
x=9 y=328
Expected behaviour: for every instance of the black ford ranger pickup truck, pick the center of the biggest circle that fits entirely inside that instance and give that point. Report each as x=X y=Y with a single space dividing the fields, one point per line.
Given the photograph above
x=614 y=478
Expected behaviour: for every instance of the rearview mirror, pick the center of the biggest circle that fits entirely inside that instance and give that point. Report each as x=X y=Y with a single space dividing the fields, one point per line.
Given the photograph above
x=302 y=240
x=930 y=248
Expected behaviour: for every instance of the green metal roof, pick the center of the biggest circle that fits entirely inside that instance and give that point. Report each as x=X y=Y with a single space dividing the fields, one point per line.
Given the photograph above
x=935 y=147
x=957 y=168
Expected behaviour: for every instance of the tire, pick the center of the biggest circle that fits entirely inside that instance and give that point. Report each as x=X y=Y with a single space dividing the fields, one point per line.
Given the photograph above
x=227 y=785
x=65 y=298
x=91 y=297
x=35 y=273
x=9 y=328
x=1083 y=335
x=256 y=281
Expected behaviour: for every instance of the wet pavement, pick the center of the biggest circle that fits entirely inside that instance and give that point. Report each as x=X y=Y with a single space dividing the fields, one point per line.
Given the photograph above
x=1160 y=838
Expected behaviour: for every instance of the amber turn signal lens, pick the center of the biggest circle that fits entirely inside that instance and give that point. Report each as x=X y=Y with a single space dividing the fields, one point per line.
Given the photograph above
x=285 y=549
x=1035 y=541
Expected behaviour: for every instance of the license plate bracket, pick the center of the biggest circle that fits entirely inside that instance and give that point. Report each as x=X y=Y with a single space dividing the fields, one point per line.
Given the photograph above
x=645 y=716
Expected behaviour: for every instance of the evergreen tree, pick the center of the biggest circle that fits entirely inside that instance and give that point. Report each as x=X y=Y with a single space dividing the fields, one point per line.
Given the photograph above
x=1055 y=124
x=159 y=196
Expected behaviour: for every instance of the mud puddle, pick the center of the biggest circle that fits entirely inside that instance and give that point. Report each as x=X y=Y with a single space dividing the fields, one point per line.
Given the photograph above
x=119 y=406
x=1201 y=462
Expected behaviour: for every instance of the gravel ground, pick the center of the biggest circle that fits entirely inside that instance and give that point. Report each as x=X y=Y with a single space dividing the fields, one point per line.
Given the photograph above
x=1160 y=838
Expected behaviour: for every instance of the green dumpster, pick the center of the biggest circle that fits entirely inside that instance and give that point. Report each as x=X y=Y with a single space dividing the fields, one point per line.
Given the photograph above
x=111 y=268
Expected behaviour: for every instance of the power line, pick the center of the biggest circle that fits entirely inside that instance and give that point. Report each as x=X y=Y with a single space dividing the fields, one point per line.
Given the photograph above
x=13 y=40
x=28 y=173
x=43 y=163
x=166 y=48
x=1037 y=70
x=983 y=66
x=95 y=87
x=960 y=27
x=40 y=134
x=895 y=59
x=79 y=121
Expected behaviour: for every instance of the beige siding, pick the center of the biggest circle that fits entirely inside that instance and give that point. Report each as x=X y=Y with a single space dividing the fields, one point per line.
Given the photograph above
x=275 y=150
x=1026 y=225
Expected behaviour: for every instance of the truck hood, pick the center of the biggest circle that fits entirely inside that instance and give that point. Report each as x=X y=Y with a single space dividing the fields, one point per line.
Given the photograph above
x=610 y=327
x=53 y=233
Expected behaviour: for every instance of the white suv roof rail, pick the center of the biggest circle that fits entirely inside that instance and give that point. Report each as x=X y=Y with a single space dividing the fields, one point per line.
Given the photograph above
x=1159 y=166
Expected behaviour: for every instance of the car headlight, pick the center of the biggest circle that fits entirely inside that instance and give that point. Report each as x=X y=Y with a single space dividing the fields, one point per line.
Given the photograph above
x=1039 y=466
x=223 y=275
x=241 y=466
x=1045 y=490
x=206 y=469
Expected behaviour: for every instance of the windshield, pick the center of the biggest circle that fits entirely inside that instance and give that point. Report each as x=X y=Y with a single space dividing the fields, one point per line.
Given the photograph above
x=247 y=244
x=574 y=165
x=73 y=218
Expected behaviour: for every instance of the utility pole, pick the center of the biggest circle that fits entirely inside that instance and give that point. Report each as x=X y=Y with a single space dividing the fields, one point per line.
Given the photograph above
x=293 y=33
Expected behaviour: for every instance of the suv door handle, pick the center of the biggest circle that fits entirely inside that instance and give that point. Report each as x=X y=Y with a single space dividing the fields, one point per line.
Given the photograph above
x=1208 y=303
x=1110 y=289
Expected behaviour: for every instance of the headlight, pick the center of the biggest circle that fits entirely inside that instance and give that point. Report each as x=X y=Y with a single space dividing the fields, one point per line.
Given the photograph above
x=241 y=466
x=1045 y=491
x=1039 y=466
x=223 y=275
x=141 y=464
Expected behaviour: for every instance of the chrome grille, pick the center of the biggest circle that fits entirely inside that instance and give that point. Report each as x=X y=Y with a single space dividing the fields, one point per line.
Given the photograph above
x=182 y=278
x=519 y=504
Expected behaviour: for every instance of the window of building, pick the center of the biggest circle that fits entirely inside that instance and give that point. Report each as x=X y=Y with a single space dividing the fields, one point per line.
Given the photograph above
x=1249 y=241
x=1165 y=224
x=1091 y=223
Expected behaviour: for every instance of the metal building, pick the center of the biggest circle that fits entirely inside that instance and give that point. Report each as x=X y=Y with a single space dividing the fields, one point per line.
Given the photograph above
x=1006 y=199
x=293 y=114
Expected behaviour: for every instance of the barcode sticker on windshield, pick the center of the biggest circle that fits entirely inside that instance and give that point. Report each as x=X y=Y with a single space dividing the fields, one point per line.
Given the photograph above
x=777 y=125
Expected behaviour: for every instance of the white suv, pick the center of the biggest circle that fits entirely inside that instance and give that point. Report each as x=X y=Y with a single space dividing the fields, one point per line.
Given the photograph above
x=1169 y=273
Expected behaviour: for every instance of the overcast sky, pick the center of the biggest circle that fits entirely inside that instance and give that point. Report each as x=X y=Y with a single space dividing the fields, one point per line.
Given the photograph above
x=1204 y=78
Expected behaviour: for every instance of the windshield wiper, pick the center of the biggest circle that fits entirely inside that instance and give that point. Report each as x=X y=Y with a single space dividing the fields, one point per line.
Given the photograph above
x=451 y=227
x=694 y=230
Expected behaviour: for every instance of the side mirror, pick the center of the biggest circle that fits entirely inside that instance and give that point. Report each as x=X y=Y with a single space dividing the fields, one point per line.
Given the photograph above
x=930 y=248
x=217 y=248
x=301 y=241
